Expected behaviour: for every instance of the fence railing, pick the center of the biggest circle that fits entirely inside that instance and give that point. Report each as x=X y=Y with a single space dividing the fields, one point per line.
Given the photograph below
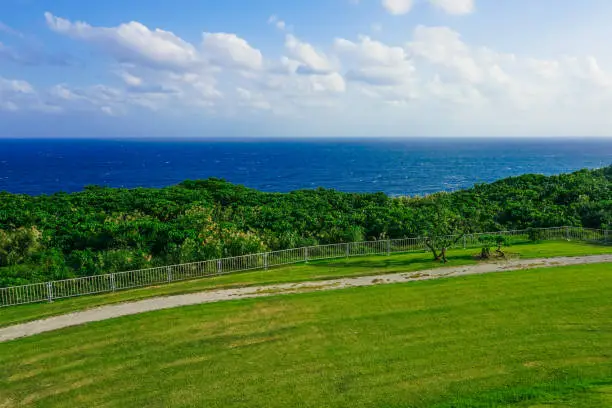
x=49 y=291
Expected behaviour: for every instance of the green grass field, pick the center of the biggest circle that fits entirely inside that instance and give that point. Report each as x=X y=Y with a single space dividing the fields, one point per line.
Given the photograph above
x=358 y=266
x=518 y=339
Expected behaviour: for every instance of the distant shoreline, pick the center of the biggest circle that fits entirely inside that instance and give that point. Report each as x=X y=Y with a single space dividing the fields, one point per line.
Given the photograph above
x=396 y=167
x=416 y=195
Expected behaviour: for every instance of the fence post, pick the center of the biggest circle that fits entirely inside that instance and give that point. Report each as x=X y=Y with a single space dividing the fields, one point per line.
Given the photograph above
x=45 y=291
x=50 y=292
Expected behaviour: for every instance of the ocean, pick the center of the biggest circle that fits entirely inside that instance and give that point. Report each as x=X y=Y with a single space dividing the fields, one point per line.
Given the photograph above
x=392 y=166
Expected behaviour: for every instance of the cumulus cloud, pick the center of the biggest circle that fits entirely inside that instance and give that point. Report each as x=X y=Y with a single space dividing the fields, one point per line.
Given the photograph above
x=397 y=7
x=278 y=23
x=133 y=42
x=457 y=7
x=18 y=95
x=444 y=48
x=130 y=42
x=131 y=80
x=381 y=75
x=375 y=63
x=431 y=73
x=16 y=86
x=311 y=60
x=231 y=50
x=252 y=99
x=369 y=52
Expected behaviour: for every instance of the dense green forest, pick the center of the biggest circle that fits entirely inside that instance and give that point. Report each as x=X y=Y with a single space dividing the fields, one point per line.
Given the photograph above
x=101 y=230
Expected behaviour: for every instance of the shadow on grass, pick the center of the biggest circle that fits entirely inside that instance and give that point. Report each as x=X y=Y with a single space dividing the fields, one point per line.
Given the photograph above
x=564 y=241
x=393 y=262
x=561 y=392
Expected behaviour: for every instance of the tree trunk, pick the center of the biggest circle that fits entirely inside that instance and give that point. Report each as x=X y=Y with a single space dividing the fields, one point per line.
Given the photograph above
x=443 y=255
x=432 y=248
x=485 y=253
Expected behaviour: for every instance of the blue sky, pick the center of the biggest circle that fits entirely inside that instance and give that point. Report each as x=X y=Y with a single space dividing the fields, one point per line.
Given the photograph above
x=191 y=68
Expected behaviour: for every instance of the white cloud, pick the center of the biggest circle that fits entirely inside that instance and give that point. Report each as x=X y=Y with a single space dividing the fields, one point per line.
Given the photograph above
x=397 y=7
x=333 y=83
x=18 y=95
x=458 y=7
x=280 y=24
x=130 y=79
x=8 y=94
x=370 y=52
x=230 y=50
x=16 y=86
x=375 y=63
x=381 y=75
x=131 y=42
x=312 y=60
x=433 y=79
x=108 y=110
x=444 y=47
x=252 y=99
x=61 y=91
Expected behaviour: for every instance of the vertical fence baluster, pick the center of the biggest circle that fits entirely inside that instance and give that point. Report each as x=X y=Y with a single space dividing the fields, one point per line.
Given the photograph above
x=50 y=291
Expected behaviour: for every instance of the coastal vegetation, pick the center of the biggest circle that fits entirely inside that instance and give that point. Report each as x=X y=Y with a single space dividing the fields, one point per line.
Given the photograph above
x=102 y=230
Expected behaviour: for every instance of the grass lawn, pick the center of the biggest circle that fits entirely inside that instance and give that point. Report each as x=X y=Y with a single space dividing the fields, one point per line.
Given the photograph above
x=358 y=266
x=518 y=339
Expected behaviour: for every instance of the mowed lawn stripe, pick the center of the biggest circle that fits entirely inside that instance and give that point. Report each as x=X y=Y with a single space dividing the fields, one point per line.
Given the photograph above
x=420 y=344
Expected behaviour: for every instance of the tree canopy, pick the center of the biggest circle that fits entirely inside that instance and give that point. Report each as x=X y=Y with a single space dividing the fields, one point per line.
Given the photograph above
x=102 y=230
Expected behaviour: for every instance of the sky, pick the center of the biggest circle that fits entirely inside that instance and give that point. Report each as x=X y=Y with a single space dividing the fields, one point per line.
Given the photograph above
x=305 y=68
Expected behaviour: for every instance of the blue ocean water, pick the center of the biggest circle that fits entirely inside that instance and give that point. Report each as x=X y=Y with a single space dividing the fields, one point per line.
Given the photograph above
x=393 y=166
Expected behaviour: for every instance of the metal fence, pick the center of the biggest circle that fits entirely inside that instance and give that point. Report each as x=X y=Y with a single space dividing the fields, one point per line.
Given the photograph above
x=49 y=291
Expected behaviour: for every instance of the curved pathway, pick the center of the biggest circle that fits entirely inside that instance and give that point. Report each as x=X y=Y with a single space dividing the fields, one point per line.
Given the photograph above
x=142 y=306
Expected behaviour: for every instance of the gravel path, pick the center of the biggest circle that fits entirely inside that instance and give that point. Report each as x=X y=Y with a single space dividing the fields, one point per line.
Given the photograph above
x=142 y=306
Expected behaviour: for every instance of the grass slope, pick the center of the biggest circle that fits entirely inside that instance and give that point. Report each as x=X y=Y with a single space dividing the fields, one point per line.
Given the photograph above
x=359 y=266
x=518 y=339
